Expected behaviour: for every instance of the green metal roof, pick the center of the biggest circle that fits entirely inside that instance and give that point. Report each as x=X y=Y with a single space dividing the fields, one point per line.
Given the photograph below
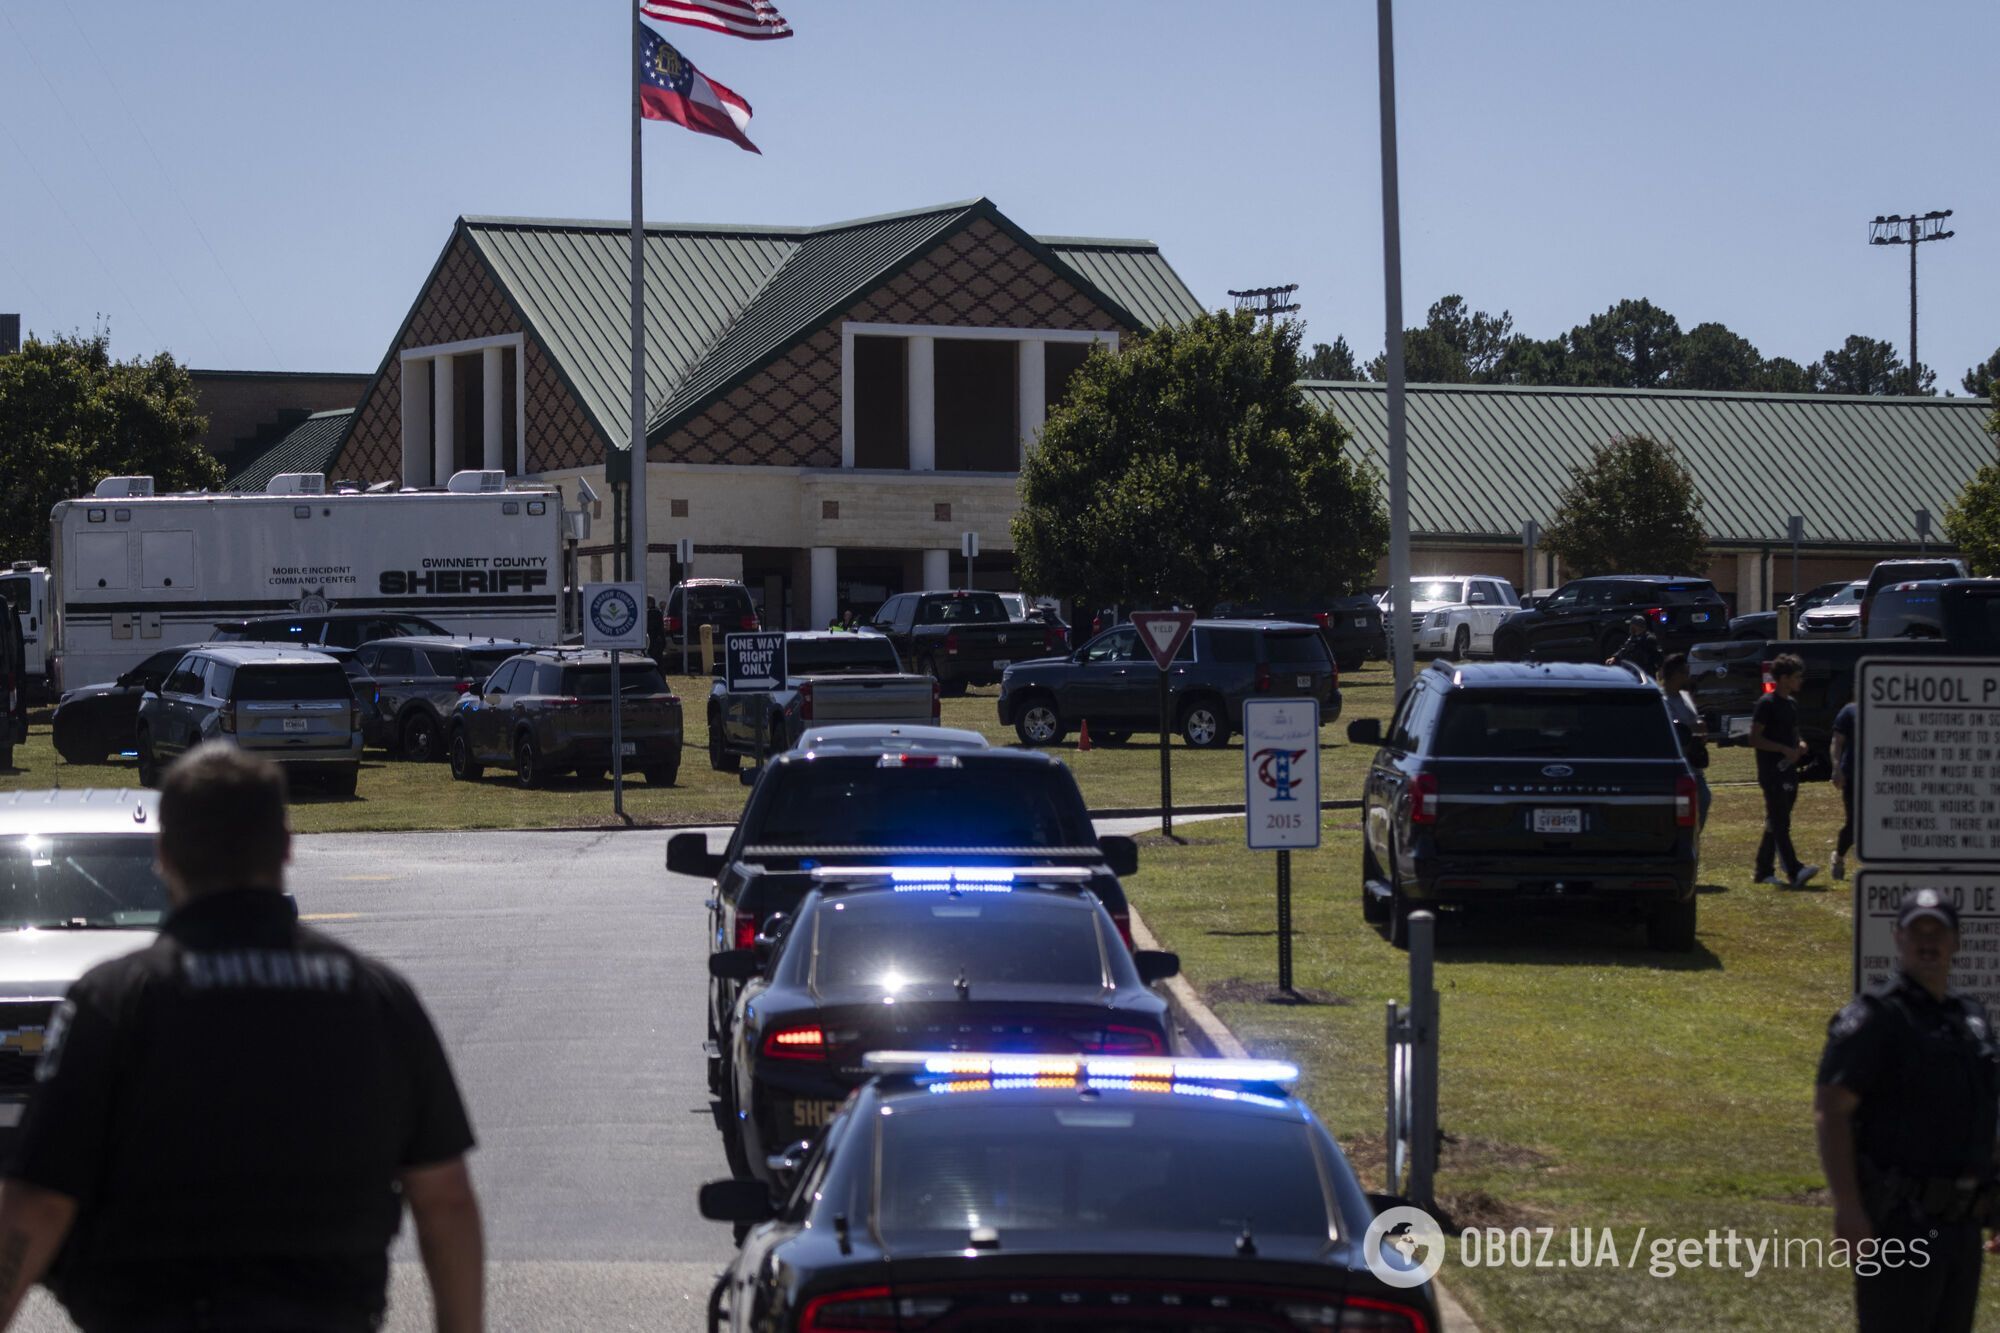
x=312 y=446
x=1485 y=459
x=722 y=301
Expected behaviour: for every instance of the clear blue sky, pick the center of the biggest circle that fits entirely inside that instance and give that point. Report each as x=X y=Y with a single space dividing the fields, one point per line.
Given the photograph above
x=264 y=186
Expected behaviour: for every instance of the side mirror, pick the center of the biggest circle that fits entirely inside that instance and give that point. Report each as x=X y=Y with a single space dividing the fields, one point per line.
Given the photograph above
x=737 y=1201
x=768 y=936
x=1365 y=731
x=1156 y=964
x=688 y=854
x=784 y=1166
x=735 y=965
x=1121 y=854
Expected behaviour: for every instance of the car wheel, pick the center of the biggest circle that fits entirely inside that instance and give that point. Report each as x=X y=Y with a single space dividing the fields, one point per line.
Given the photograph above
x=719 y=759
x=662 y=775
x=343 y=784
x=1510 y=647
x=1670 y=929
x=149 y=763
x=7 y=757
x=1374 y=910
x=463 y=766
x=420 y=738
x=528 y=762
x=1038 y=722
x=1461 y=643
x=83 y=746
x=1204 y=726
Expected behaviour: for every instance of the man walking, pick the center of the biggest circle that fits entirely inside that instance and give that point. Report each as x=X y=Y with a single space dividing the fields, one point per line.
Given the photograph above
x=227 y=1124
x=1774 y=735
x=1641 y=647
x=1688 y=726
x=1843 y=782
x=1905 y=1116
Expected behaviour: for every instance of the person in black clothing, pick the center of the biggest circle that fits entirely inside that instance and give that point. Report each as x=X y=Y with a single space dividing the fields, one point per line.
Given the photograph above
x=1641 y=648
x=656 y=633
x=1905 y=1117
x=226 y=1125
x=1843 y=782
x=1774 y=735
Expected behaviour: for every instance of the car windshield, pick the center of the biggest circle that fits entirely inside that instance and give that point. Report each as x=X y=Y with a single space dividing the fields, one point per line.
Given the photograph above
x=825 y=802
x=979 y=608
x=1095 y=1168
x=284 y=683
x=594 y=682
x=1302 y=649
x=914 y=938
x=1848 y=596
x=1556 y=724
x=1447 y=590
x=847 y=654
x=96 y=881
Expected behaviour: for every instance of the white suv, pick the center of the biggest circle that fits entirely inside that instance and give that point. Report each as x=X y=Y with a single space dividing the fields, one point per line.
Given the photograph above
x=1456 y=614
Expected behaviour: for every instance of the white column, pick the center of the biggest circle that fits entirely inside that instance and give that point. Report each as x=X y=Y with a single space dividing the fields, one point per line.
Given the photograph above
x=825 y=596
x=495 y=394
x=1749 y=593
x=937 y=571
x=1033 y=383
x=922 y=371
x=417 y=423
x=444 y=448
x=846 y=400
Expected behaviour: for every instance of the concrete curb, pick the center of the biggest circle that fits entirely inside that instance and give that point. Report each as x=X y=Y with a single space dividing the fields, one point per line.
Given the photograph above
x=1212 y=1037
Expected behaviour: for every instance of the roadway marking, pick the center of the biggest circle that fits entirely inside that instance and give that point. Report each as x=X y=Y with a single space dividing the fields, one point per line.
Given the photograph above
x=329 y=916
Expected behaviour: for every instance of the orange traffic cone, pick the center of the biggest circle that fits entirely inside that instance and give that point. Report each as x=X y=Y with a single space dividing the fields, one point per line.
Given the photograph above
x=1083 y=737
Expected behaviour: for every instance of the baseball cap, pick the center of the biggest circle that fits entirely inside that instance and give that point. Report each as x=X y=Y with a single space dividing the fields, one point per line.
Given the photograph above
x=1926 y=902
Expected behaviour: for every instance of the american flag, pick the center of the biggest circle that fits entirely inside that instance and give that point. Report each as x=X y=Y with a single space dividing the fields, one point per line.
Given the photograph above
x=755 y=19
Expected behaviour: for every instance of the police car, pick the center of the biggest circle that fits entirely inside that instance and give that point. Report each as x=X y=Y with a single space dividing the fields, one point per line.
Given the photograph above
x=962 y=1190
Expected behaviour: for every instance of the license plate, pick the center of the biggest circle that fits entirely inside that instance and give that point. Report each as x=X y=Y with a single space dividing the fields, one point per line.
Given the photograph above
x=1004 y=663
x=295 y=724
x=1305 y=682
x=811 y=1113
x=628 y=747
x=1736 y=726
x=1699 y=617
x=1558 y=821
x=1361 y=622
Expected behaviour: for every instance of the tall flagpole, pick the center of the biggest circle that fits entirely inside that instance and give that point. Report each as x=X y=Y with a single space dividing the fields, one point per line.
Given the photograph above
x=1401 y=647
x=636 y=487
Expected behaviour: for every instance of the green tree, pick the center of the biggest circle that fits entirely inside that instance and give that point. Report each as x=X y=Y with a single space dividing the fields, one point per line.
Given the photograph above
x=71 y=416
x=1190 y=469
x=1455 y=345
x=1528 y=360
x=1867 y=366
x=1980 y=380
x=1781 y=374
x=1633 y=345
x=1331 y=363
x=1711 y=357
x=1631 y=508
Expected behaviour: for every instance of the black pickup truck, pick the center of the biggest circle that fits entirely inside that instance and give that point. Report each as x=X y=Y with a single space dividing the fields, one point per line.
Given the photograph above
x=1929 y=618
x=961 y=638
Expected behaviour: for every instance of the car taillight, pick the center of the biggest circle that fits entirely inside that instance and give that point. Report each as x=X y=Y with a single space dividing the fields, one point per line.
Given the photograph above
x=860 y=1308
x=1123 y=920
x=673 y=624
x=1354 y=1314
x=226 y=719
x=1051 y=640
x=1263 y=678
x=1117 y=1039
x=1687 y=799
x=747 y=622
x=1424 y=799
x=937 y=702
x=795 y=1044
x=806 y=702
x=746 y=930
x=1319 y=618
x=1770 y=681
x=1657 y=614
x=462 y=686
x=951 y=645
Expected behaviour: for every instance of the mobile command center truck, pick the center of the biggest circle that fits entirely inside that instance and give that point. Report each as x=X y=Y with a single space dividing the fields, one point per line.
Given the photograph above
x=135 y=572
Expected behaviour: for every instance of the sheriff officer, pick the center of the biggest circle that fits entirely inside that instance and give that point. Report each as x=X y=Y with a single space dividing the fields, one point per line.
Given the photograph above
x=226 y=1125
x=1905 y=1114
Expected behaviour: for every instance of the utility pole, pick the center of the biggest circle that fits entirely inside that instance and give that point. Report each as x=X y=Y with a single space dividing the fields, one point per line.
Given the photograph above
x=1401 y=641
x=1912 y=230
x=1267 y=303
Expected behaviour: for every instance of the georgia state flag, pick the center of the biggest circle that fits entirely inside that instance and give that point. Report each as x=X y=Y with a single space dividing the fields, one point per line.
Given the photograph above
x=671 y=88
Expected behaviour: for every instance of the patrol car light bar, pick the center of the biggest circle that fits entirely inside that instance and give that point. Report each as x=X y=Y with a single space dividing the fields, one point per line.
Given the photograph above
x=956 y=879
x=1111 y=1068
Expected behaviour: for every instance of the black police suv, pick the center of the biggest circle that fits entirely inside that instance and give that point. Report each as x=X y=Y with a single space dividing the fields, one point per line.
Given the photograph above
x=1588 y=619
x=1497 y=785
x=92 y=721
x=326 y=629
x=971 y=958
x=967 y=1192
x=889 y=805
x=1350 y=625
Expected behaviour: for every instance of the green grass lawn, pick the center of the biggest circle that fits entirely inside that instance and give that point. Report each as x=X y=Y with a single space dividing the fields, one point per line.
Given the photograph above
x=397 y=795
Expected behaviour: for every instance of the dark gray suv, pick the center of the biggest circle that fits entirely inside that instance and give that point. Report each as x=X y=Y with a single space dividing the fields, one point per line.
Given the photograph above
x=548 y=712
x=1111 y=682
x=292 y=705
x=419 y=680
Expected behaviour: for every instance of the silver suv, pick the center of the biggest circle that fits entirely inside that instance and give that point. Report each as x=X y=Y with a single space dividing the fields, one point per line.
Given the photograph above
x=77 y=887
x=419 y=680
x=292 y=705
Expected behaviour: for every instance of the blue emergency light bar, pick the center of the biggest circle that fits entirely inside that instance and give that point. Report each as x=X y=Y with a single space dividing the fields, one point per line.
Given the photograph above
x=1105 y=1070
x=949 y=879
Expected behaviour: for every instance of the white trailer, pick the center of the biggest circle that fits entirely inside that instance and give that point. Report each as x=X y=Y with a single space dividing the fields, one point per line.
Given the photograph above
x=132 y=572
x=25 y=589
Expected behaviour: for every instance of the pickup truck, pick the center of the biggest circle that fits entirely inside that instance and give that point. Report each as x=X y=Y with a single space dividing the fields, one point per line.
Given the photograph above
x=830 y=677
x=1929 y=618
x=961 y=638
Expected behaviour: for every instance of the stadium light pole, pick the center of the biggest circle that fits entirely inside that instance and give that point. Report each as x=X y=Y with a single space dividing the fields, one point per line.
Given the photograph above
x=1400 y=646
x=1911 y=230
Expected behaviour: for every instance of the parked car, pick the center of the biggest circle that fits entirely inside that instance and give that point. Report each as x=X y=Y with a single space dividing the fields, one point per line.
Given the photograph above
x=1586 y=619
x=1837 y=617
x=1351 y=626
x=1891 y=572
x=418 y=681
x=1503 y=785
x=329 y=629
x=292 y=705
x=1112 y=682
x=723 y=604
x=830 y=678
x=1458 y=614
x=92 y=721
x=1931 y=618
x=889 y=805
x=961 y=638
x=1044 y=1192
x=1764 y=624
x=78 y=887
x=1016 y=960
x=547 y=712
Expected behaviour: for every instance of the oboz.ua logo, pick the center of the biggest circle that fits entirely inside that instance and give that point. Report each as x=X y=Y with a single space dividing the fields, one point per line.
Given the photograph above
x=1404 y=1246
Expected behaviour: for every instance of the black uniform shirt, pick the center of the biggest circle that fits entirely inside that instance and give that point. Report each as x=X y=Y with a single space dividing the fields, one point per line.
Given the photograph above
x=1927 y=1073
x=230 y=1108
x=1780 y=717
x=1642 y=650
